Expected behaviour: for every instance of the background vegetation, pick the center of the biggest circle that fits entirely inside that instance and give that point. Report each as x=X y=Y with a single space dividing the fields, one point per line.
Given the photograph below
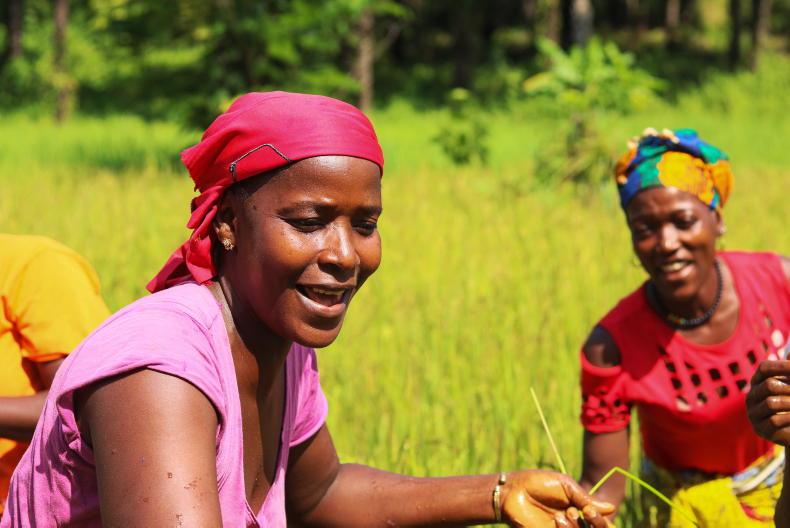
x=494 y=269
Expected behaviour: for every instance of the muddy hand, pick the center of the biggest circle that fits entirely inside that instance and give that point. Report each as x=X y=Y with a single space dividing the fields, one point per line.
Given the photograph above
x=536 y=498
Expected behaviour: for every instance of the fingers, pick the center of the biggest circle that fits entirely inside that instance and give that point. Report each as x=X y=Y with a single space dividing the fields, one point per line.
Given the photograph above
x=592 y=510
x=767 y=369
x=772 y=405
x=579 y=498
x=768 y=402
x=560 y=521
x=603 y=507
x=775 y=428
x=593 y=517
x=769 y=387
x=576 y=518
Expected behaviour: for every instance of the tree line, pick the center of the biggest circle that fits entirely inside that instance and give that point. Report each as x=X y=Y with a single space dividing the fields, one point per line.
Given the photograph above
x=184 y=58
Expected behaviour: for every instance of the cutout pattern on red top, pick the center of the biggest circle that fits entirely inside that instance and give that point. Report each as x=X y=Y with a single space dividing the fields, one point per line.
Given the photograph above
x=691 y=397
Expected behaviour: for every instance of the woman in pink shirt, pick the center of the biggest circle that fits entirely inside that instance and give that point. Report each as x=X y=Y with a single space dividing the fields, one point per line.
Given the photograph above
x=200 y=405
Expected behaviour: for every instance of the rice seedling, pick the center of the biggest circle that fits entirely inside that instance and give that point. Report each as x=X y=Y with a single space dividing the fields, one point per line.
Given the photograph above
x=614 y=470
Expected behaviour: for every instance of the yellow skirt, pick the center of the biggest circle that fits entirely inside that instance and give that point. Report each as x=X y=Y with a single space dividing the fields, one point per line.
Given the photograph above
x=746 y=500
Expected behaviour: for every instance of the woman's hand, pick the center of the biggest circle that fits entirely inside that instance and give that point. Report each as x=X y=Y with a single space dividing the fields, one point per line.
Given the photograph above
x=538 y=498
x=768 y=401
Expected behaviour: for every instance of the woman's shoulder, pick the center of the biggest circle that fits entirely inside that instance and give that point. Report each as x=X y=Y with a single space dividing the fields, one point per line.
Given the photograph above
x=173 y=331
x=632 y=306
x=753 y=259
x=763 y=271
x=187 y=300
x=610 y=338
x=172 y=310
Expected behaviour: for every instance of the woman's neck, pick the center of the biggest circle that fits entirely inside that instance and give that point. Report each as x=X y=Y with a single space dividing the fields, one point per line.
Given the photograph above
x=697 y=305
x=258 y=353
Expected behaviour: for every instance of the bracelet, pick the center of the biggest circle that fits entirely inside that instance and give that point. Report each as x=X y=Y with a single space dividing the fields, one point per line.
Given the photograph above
x=496 y=497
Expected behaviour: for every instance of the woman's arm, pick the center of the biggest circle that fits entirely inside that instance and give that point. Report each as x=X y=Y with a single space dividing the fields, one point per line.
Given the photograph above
x=19 y=414
x=153 y=439
x=323 y=492
x=602 y=452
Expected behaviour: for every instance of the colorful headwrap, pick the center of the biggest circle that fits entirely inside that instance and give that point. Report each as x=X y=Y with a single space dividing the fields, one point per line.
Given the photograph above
x=677 y=159
x=261 y=131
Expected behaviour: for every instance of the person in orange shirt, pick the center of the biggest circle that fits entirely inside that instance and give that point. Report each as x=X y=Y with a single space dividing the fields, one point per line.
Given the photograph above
x=49 y=301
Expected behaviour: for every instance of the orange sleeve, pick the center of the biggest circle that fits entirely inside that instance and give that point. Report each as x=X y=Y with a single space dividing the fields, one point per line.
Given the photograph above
x=57 y=303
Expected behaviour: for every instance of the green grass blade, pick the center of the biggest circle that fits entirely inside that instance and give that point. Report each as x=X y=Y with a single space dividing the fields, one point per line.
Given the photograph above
x=645 y=485
x=548 y=432
x=611 y=472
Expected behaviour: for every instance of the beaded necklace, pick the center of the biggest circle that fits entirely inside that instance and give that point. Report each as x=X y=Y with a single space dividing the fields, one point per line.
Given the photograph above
x=681 y=323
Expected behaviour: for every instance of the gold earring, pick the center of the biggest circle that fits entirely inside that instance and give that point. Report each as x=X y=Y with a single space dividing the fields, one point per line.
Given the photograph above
x=227 y=244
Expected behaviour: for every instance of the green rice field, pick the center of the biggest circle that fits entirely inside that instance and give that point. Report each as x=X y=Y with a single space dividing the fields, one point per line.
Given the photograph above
x=489 y=282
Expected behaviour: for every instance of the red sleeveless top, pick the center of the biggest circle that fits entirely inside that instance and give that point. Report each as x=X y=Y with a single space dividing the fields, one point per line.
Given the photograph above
x=691 y=397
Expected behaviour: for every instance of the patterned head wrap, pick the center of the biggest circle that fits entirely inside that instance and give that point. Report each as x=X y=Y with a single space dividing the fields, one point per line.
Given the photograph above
x=677 y=159
x=260 y=132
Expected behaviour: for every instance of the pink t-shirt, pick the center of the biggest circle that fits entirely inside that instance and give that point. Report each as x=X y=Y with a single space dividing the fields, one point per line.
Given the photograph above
x=178 y=331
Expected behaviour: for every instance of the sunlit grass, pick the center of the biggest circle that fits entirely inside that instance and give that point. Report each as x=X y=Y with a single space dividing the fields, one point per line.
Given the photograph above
x=488 y=284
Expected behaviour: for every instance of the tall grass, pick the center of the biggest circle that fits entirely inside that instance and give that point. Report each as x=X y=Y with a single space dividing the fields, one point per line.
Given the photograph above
x=488 y=285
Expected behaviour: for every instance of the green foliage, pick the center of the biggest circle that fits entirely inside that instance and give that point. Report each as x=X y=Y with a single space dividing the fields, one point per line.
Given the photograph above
x=579 y=154
x=463 y=137
x=182 y=60
x=581 y=83
x=598 y=76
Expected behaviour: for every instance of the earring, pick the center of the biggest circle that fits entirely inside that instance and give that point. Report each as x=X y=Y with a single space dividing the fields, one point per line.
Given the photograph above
x=635 y=262
x=719 y=239
x=227 y=244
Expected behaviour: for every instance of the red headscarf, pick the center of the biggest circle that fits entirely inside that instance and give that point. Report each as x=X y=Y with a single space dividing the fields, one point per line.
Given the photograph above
x=261 y=131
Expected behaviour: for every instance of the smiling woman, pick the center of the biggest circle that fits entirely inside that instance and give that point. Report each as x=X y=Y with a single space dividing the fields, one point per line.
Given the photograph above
x=201 y=404
x=682 y=347
x=304 y=240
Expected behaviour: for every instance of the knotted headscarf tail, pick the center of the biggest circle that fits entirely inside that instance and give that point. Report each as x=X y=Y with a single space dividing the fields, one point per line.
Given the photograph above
x=260 y=132
x=678 y=159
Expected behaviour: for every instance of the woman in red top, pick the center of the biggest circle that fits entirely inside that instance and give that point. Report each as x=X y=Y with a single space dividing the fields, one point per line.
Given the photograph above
x=683 y=346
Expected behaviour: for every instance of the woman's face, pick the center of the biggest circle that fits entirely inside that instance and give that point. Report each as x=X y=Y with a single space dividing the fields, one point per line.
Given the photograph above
x=674 y=236
x=306 y=240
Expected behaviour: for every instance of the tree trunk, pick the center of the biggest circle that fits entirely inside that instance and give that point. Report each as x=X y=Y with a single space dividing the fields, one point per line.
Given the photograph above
x=672 y=22
x=566 y=24
x=635 y=20
x=530 y=10
x=553 y=22
x=14 y=19
x=761 y=17
x=734 y=56
x=582 y=21
x=465 y=38
x=363 y=65
x=689 y=13
x=63 y=84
